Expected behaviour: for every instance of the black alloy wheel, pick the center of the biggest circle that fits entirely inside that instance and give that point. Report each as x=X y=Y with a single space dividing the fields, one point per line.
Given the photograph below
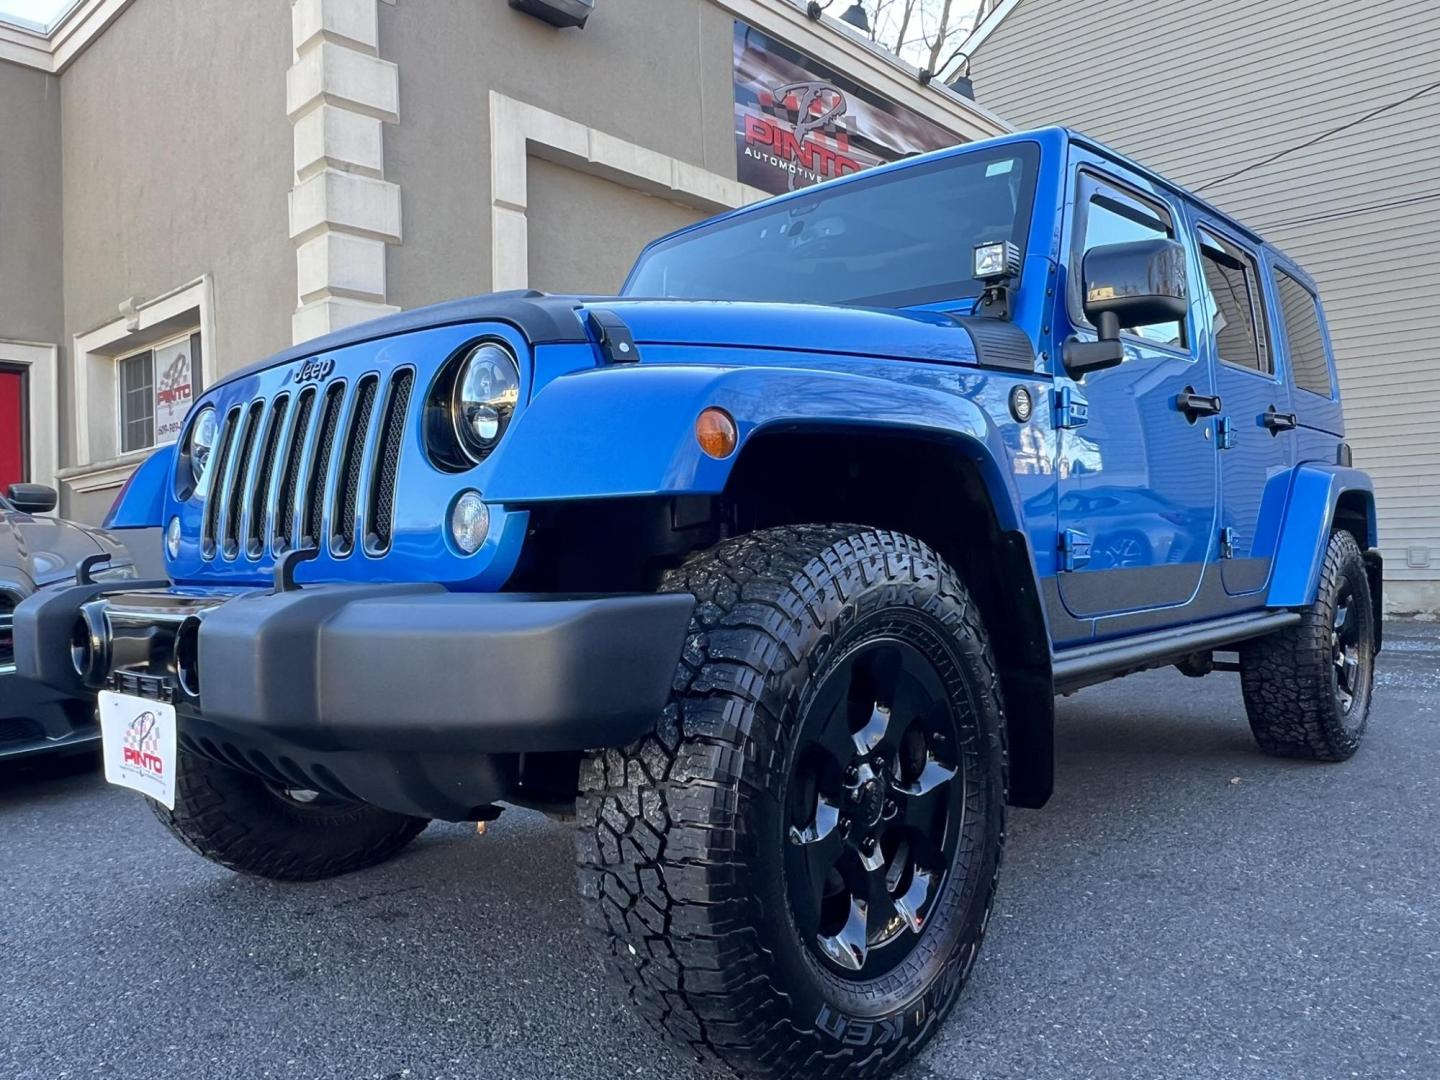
x=875 y=808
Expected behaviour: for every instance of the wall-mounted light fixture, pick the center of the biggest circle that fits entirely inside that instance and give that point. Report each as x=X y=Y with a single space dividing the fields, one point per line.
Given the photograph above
x=557 y=12
x=855 y=15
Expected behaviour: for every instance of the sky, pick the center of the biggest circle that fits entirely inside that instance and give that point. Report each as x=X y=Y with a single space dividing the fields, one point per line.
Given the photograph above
x=44 y=12
x=962 y=16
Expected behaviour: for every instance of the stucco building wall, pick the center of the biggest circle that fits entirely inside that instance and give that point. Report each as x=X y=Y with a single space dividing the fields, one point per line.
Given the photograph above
x=177 y=164
x=31 y=295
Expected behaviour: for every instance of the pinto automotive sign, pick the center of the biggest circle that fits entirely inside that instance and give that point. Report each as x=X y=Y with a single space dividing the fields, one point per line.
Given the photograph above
x=797 y=122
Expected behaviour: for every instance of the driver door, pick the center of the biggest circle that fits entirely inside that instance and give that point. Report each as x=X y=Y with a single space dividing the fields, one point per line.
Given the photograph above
x=1137 y=473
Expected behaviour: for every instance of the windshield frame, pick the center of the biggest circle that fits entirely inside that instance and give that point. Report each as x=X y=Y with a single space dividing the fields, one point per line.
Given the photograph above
x=1030 y=150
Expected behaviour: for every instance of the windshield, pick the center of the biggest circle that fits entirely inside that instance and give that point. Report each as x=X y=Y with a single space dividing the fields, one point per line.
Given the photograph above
x=895 y=240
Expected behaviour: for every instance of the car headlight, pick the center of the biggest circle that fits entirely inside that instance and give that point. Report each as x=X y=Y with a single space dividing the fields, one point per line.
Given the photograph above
x=199 y=444
x=115 y=572
x=486 y=393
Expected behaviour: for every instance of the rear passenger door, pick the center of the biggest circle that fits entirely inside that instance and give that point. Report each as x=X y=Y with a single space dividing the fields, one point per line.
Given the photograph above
x=1255 y=432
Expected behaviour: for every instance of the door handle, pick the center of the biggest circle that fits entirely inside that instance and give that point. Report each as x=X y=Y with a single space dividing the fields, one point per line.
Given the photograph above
x=1195 y=405
x=1279 y=421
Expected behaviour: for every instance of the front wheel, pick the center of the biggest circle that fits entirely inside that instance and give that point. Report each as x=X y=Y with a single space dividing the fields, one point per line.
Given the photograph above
x=1307 y=687
x=793 y=874
x=248 y=824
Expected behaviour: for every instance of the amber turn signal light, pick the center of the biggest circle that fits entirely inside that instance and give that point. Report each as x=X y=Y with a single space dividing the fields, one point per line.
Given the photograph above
x=715 y=432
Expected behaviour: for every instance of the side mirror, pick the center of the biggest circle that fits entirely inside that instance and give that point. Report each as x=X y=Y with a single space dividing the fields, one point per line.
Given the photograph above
x=1126 y=285
x=32 y=498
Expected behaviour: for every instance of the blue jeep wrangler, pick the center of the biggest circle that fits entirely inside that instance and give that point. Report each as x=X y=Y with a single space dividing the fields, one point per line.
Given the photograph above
x=768 y=569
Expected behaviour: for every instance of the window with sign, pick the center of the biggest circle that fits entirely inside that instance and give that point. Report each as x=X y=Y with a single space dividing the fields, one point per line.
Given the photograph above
x=156 y=386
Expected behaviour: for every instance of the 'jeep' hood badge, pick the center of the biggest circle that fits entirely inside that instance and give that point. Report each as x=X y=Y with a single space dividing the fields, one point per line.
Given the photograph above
x=315 y=370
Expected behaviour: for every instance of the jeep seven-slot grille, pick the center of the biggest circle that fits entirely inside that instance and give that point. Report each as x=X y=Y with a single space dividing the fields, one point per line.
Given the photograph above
x=7 y=631
x=275 y=460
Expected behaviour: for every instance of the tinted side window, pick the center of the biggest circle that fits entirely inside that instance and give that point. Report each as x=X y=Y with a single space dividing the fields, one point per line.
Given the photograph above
x=1300 y=312
x=1232 y=286
x=1113 y=217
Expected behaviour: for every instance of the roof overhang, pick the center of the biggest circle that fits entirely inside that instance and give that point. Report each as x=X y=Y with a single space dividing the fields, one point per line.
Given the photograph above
x=29 y=44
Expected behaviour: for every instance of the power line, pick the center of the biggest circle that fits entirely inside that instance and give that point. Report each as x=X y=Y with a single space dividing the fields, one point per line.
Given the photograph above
x=1321 y=137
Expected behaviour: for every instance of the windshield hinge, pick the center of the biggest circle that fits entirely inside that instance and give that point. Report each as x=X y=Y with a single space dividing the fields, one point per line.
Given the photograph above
x=996 y=302
x=614 y=337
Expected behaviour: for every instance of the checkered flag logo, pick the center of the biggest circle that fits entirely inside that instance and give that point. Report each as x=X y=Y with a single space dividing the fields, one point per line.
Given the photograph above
x=142 y=733
x=176 y=375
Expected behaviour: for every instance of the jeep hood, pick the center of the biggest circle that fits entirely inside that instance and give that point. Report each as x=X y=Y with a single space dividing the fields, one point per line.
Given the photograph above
x=890 y=334
x=545 y=320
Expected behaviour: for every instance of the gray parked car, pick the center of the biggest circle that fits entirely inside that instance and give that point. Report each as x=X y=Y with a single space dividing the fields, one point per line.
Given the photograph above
x=37 y=552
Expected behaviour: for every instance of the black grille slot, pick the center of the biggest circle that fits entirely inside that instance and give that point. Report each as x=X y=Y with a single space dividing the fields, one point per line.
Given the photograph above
x=320 y=465
x=234 y=496
x=7 y=628
x=348 y=489
x=290 y=477
x=387 y=466
x=260 y=485
x=218 y=465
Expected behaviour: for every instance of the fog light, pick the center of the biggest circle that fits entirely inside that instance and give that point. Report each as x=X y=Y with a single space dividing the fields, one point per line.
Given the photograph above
x=996 y=262
x=172 y=538
x=469 y=522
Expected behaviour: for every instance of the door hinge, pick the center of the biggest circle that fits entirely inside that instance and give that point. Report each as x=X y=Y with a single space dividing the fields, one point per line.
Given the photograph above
x=1225 y=433
x=1074 y=549
x=1071 y=410
x=1228 y=539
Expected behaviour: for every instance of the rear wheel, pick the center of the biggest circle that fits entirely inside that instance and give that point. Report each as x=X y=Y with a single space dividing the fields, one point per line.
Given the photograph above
x=793 y=874
x=1307 y=687
x=248 y=824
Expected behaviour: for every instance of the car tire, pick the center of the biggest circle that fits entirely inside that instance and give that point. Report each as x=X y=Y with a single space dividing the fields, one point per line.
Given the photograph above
x=705 y=849
x=1307 y=688
x=249 y=825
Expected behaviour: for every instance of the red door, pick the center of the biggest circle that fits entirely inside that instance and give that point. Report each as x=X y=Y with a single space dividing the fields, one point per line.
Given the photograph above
x=12 y=427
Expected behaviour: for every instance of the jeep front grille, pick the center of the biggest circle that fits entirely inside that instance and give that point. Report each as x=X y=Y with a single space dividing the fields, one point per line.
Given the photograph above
x=7 y=632
x=276 y=459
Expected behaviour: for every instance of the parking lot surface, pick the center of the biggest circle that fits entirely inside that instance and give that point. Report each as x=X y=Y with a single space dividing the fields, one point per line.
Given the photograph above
x=1184 y=907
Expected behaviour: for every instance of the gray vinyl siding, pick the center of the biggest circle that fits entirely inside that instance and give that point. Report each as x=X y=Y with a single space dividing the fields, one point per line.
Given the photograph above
x=1199 y=91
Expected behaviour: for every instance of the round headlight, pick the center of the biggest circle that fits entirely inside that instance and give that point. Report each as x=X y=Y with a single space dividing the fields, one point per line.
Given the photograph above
x=485 y=397
x=201 y=443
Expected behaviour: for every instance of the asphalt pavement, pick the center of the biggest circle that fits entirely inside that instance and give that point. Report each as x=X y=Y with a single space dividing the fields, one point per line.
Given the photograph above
x=1184 y=907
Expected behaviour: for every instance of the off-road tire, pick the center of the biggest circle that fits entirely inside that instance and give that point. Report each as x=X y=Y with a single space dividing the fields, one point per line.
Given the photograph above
x=1290 y=678
x=243 y=823
x=676 y=832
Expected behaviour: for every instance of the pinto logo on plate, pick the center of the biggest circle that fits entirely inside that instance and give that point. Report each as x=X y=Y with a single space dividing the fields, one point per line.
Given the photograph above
x=139 y=742
x=142 y=745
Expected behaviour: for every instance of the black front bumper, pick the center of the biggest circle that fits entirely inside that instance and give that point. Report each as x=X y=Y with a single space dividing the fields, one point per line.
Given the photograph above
x=406 y=696
x=37 y=719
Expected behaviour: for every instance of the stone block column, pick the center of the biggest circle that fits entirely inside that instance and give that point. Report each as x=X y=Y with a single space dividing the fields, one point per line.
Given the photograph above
x=343 y=212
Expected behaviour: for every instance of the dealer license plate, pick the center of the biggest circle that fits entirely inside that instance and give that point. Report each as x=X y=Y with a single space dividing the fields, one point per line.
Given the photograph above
x=138 y=736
